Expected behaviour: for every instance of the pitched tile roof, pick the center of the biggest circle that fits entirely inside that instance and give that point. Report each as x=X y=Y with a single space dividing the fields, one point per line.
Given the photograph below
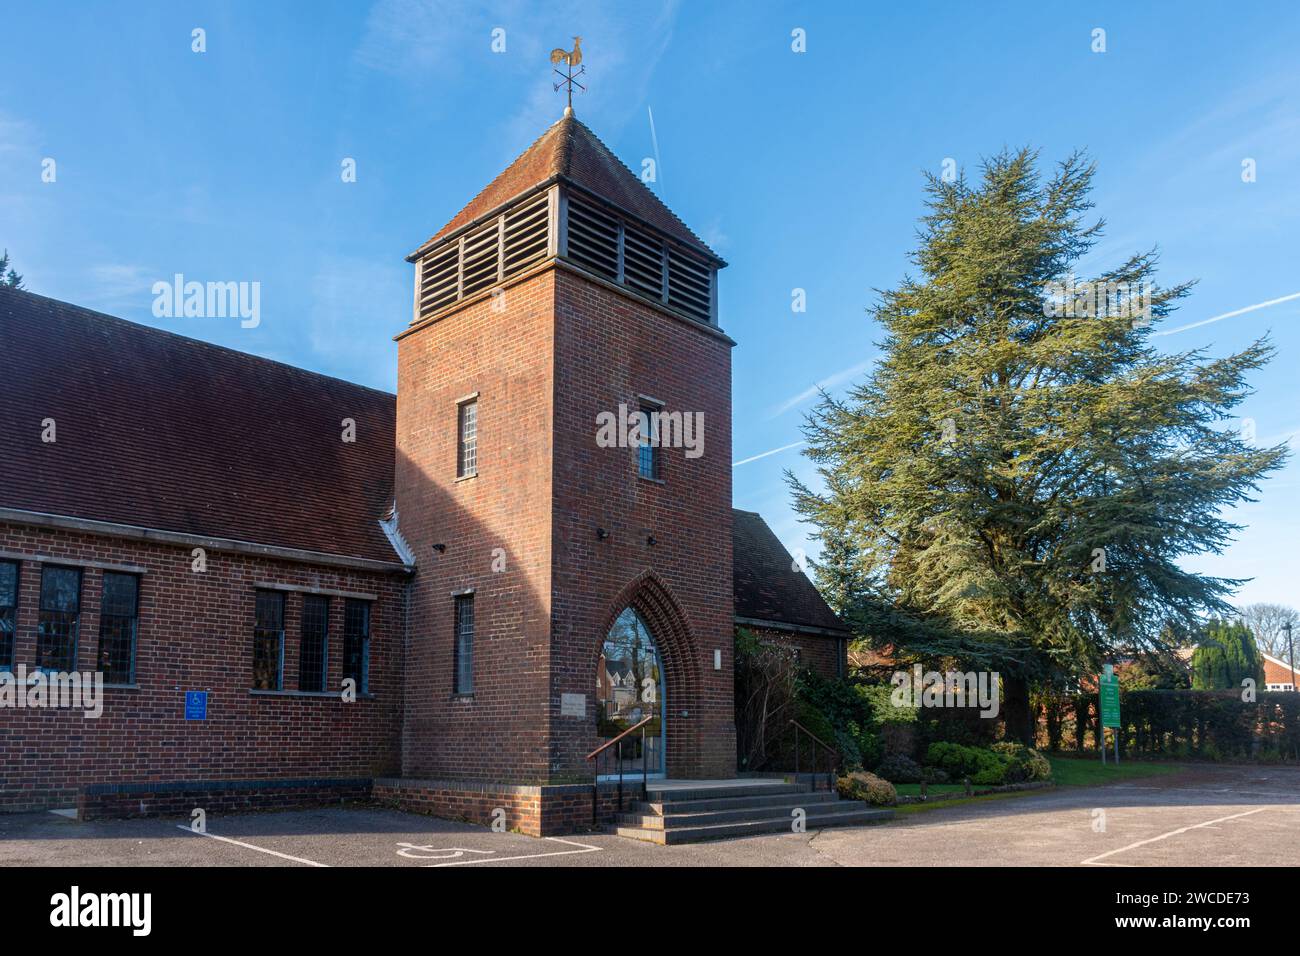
x=161 y=431
x=568 y=149
x=766 y=586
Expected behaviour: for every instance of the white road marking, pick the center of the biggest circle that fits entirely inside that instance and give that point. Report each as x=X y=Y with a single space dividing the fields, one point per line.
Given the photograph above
x=249 y=846
x=529 y=856
x=427 y=851
x=1165 y=836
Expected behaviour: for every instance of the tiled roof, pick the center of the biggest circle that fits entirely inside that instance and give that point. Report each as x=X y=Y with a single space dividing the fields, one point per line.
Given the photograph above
x=570 y=150
x=766 y=585
x=165 y=432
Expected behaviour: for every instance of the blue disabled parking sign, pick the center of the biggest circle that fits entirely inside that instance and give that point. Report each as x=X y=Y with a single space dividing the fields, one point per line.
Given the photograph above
x=196 y=705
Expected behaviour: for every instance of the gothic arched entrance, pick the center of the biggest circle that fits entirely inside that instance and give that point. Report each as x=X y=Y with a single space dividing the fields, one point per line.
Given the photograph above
x=630 y=687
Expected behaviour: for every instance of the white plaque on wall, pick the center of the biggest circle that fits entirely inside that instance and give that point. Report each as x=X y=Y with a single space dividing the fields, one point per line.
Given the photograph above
x=573 y=705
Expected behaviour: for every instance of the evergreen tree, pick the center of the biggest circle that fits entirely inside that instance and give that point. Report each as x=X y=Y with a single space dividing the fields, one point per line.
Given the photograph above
x=1016 y=480
x=1225 y=657
x=8 y=277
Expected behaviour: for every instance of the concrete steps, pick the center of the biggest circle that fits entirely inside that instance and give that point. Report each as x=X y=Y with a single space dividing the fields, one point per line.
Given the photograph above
x=688 y=815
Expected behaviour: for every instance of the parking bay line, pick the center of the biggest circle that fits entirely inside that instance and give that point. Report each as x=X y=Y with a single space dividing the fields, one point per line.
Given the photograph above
x=249 y=846
x=1163 y=836
x=530 y=856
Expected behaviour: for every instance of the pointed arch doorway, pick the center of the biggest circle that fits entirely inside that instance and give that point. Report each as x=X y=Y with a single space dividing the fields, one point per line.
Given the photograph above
x=629 y=688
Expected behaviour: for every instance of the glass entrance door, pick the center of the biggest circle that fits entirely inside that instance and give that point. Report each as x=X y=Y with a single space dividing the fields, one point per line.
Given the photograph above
x=630 y=688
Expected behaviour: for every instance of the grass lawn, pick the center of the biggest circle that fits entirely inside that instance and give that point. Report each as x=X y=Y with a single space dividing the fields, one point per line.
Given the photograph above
x=1089 y=771
x=908 y=809
x=1066 y=772
x=935 y=789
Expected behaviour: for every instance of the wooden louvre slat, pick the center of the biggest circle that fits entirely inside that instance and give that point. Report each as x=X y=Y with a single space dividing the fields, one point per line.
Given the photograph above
x=526 y=235
x=438 y=280
x=688 y=286
x=482 y=250
x=643 y=262
x=593 y=239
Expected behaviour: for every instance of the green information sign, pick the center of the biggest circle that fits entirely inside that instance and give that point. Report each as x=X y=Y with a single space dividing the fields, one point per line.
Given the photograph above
x=1109 y=698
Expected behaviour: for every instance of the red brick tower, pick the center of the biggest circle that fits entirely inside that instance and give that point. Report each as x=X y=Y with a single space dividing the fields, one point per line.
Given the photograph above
x=561 y=302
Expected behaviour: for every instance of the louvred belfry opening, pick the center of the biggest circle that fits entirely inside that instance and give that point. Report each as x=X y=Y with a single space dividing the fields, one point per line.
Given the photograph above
x=568 y=197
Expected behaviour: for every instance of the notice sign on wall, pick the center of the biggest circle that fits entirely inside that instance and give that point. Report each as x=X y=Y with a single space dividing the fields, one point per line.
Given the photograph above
x=196 y=705
x=573 y=705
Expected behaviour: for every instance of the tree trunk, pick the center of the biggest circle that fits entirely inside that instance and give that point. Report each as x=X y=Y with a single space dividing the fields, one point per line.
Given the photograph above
x=1016 y=712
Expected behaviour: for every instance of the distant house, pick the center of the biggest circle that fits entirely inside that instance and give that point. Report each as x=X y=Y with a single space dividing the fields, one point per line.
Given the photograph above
x=1278 y=675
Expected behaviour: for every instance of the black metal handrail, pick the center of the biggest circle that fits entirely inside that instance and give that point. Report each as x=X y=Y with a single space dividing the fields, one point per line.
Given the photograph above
x=832 y=755
x=617 y=744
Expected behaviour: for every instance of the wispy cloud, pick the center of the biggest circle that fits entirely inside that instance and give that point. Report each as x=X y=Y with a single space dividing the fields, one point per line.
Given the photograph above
x=418 y=40
x=1229 y=315
x=843 y=375
x=342 y=324
x=116 y=286
x=766 y=454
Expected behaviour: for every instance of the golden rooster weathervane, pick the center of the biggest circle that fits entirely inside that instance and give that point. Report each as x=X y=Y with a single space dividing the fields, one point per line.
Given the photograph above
x=570 y=58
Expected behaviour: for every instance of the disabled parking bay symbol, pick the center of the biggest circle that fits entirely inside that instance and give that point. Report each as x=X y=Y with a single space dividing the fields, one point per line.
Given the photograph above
x=415 y=851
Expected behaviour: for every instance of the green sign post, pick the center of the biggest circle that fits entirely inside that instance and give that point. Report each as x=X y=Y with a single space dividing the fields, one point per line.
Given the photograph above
x=1108 y=685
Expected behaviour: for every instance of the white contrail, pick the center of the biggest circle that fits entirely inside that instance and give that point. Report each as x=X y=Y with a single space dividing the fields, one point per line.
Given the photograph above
x=774 y=451
x=659 y=167
x=1228 y=315
x=829 y=382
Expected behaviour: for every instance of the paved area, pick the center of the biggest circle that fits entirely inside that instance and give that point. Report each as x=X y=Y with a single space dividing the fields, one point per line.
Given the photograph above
x=1214 y=816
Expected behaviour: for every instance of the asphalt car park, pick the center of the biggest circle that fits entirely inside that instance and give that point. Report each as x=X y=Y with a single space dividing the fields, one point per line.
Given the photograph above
x=1204 y=816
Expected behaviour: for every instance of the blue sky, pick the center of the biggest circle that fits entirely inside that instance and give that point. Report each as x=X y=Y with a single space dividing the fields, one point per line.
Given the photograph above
x=802 y=170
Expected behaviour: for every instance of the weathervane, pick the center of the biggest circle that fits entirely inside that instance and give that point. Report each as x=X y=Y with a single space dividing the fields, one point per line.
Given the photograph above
x=570 y=59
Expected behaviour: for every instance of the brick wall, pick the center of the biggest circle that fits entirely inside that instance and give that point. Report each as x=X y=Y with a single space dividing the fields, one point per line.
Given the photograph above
x=195 y=633
x=610 y=349
x=545 y=357
x=1275 y=673
x=824 y=654
x=500 y=348
x=535 y=810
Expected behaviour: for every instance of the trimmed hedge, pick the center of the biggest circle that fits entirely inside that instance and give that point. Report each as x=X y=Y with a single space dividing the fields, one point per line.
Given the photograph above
x=1215 y=725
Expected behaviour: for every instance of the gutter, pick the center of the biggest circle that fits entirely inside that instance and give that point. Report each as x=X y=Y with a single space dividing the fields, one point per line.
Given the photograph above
x=181 y=539
x=787 y=626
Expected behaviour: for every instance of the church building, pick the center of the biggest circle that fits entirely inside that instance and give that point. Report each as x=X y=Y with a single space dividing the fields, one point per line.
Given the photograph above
x=299 y=590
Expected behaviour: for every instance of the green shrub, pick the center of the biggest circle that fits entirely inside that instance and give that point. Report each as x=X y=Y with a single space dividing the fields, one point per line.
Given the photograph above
x=899 y=768
x=860 y=785
x=934 y=775
x=837 y=712
x=984 y=767
x=1026 y=763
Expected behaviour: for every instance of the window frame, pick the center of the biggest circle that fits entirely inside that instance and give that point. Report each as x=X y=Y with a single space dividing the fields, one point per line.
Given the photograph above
x=42 y=611
x=462 y=666
x=259 y=636
x=466 y=447
x=134 y=618
x=648 y=450
x=12 y=610
x=363 y=679
x=323 y=637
